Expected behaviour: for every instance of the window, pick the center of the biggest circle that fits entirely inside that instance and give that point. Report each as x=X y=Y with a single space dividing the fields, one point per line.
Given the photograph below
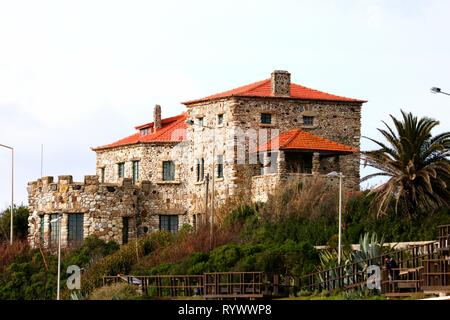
x=168 y=223
x=200 y=169
x=102 y=175
x=220 y=166
x=168 y=170
x=125 y=227
x=266 y=118
x=135 y=171
x=144 y=132
x=308 y=121
x=54 y=229
x=200 y=121
x=41 y=229
x=220 y=119
x=75 y=229
x=121 y=169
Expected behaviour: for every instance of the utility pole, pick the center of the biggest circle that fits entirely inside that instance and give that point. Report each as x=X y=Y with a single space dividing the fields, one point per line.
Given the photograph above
x=12 y=192
x=42 y=159
x=206 y=195
x=212 y=188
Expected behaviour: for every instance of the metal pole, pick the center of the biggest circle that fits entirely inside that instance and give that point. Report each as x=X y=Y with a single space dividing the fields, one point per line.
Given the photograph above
x=12 y=194
x=59 y=257
x=340 y=220
x=42 y=158
x=206 y=197
x=212 y=189
x=12 y=190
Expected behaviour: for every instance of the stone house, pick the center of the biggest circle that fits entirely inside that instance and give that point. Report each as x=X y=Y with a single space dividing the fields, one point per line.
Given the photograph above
x=172 y=171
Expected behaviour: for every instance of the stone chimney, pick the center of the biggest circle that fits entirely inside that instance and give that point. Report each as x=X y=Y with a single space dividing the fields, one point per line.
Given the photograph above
x=281 y=83
x=156 y=117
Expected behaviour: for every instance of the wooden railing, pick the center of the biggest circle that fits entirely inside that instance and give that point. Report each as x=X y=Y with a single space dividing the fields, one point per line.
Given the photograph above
x=210 y=285
x=245 y=285
x=163 y=285
x=354 y=275
x=444 y=239
x=418 y=266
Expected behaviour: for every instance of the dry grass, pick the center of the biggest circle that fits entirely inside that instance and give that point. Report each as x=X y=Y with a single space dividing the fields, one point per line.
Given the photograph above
x=188 y=243
x=9 y=252
x=117 y=291
x=309 y=199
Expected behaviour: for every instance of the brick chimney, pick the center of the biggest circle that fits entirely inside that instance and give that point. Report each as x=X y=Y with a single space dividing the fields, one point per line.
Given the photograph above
x=281 y=83
x=156 y=117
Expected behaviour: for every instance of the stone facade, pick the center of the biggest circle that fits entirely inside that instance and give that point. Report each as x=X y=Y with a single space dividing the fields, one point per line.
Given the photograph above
x=129 y=176
x=103 y=206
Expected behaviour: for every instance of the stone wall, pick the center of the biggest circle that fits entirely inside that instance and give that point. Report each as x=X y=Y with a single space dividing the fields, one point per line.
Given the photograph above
x=337 y=121
x=104 y=206
x=263 y=186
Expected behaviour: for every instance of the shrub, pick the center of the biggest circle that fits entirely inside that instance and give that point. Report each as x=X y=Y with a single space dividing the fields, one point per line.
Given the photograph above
x=117 y=291
x=20 y=222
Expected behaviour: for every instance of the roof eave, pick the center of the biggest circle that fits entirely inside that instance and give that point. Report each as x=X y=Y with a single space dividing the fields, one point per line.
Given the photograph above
x=192 y=102
x=134 y=143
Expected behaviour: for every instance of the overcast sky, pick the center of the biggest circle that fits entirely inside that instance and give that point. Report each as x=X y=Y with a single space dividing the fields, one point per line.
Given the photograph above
x=77 y=74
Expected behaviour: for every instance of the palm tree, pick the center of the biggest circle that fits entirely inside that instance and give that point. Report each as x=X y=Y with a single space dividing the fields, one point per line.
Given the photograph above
x=416 y=163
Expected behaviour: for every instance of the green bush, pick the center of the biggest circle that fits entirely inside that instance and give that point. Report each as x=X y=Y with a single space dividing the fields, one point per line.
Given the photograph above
x=118 y=291
x=394 y=227
x=20 y=224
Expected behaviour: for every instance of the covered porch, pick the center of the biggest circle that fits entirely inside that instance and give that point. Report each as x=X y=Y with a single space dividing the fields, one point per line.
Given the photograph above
x=293 y=156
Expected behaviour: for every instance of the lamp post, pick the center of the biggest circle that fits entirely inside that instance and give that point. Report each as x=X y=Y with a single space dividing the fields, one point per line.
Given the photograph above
x=438 y=90
x=191 y=122
x=12 y=190
x=332 y=175
x=59 y=253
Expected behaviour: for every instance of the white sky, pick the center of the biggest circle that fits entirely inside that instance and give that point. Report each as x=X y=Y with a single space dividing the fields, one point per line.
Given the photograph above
x=76 y=74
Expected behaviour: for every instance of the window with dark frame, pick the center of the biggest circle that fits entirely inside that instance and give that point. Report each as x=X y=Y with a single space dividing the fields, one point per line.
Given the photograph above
x=125 y=229
x=41 y=228
x=168 y=171
x=220 y=119
x=168 y=223
x=200 y=121
x=266 y=118
x=121 y=169
x=75 y=229
x=200 y=169
x=54 y=230
x=308 y=120
x=135 y=171
x=102 y=175
x=145 y=131
x=220 y=166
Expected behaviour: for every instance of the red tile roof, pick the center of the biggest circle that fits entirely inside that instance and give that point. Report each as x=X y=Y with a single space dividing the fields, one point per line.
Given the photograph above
x=173 y=130
x=296 y=139
x=264 y=89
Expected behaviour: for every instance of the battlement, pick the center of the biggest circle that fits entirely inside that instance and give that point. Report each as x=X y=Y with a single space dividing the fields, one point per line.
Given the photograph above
x=91 y=184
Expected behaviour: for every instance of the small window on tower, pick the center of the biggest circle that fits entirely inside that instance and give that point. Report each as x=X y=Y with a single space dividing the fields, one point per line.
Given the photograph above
x=308 y=120
x=220 y=119
x=266 y=118
x=121 y=169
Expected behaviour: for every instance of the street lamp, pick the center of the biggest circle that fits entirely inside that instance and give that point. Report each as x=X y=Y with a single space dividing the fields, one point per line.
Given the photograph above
x=12 y=190
x=334 y=174
x=438 y=90
x=59 y=252
x=191 y=122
